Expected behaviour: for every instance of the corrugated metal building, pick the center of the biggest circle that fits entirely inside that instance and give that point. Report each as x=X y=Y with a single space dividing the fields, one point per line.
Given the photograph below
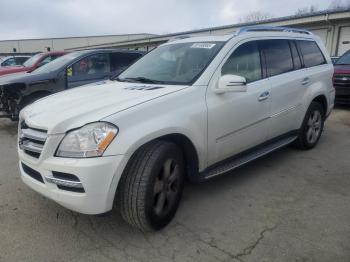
x=333 y=26
x=58 y=44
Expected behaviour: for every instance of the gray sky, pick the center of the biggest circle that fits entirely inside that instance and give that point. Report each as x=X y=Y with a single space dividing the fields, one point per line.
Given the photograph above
x=60 y=18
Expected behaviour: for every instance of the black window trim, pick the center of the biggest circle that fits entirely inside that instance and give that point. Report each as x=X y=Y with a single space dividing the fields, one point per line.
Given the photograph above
x=292 y=43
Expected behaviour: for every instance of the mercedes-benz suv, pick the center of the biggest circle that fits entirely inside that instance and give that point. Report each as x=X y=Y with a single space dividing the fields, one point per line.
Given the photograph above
x=192 y=108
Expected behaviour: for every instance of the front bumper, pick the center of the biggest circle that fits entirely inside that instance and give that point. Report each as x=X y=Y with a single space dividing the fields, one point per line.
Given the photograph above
x=98 y=177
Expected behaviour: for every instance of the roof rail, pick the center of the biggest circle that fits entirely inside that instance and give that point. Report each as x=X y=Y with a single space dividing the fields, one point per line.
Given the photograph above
x=180 y=37
x=271 y=29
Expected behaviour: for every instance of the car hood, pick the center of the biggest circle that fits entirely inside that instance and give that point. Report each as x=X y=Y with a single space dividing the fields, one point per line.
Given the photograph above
x=11 y=70
x=342 y=69
x=23 y=77
x=74 y=108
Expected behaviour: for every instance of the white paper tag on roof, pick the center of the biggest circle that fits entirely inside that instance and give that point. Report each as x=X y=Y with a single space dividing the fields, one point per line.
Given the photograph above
x=203 y=45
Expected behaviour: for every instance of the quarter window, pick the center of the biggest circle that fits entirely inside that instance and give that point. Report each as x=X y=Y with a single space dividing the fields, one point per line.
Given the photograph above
x=312 y=54
x=244 y=61
x=278 y=56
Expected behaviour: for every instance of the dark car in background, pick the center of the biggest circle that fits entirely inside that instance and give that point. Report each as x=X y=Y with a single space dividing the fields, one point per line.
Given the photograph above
x=341 y=79
x=13 y=60
x=32 y=63
x=69 y=71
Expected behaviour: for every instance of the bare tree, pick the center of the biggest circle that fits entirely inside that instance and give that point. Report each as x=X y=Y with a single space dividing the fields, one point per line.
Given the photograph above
x=306 y=10
x=338 y=4
x=255 y=17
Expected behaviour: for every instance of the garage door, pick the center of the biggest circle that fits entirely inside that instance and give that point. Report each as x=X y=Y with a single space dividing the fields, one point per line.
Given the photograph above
x=344 y=40
x=322 y=33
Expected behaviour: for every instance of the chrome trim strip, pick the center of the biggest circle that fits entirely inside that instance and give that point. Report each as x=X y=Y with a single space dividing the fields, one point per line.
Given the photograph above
x=30 y=146
x=285 y=110
x=62 y=182
x=34 y=134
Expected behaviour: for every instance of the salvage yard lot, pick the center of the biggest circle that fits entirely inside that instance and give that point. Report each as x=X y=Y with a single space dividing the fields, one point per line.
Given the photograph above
x=289 y=206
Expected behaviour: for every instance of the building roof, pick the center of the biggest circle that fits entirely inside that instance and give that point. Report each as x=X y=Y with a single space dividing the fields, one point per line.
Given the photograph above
x=294 y=19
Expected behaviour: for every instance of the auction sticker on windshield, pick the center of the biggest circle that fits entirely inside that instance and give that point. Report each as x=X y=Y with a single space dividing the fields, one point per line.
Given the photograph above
x=203 y=45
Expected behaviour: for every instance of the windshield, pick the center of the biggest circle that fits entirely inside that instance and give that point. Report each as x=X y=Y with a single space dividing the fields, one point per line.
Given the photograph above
x=179 y=63
x=344 y=60
x=31 y=61
x=57 y=63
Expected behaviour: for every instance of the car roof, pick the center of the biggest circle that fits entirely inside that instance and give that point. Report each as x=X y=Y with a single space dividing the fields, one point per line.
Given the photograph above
x=93 y=51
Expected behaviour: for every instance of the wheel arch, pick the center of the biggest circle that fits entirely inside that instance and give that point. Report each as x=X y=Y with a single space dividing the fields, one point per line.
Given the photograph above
x=323 y=101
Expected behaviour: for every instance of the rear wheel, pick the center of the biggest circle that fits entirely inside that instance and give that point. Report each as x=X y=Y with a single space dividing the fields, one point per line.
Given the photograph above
x=312 y=127
x=150 y=190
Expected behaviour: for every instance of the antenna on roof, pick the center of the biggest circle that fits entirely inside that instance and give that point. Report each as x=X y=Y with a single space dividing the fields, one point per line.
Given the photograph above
x=271 y=29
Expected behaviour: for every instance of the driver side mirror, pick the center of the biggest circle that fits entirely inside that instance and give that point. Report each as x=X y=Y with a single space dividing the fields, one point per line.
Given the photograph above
x=231 y=83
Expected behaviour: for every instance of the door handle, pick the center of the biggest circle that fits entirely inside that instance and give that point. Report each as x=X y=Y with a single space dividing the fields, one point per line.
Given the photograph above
x=264 y=96
x=305 y=81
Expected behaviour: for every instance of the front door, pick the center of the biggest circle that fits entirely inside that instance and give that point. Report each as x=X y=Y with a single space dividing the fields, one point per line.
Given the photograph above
x=238 y=121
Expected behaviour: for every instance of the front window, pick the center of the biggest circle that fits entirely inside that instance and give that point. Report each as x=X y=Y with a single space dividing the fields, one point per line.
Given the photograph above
x=179 y=63
x=32 y=61
x=58 y=63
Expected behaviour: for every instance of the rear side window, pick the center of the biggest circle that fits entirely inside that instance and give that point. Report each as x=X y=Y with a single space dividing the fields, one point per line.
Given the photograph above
x=121 y=61
x=311 y=53
x=278 y=56
x=244 y=61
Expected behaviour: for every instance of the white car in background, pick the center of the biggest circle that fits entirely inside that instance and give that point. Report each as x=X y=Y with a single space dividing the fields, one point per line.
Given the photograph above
x=196 y=108
x=13 y=60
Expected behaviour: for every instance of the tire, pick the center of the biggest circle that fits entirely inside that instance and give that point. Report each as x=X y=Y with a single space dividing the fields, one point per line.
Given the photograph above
x=312 y=127
x=151 y=186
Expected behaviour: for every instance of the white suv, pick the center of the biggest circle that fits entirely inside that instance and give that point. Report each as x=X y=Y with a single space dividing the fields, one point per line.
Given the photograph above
x=192 y=108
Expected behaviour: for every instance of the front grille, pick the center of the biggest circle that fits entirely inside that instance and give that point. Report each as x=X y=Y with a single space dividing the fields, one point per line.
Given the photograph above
x=341 y=80
x=32 y=173
x=31 y=140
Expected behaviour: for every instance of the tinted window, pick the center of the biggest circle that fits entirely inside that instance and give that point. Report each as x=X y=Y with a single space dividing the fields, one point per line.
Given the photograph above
x=120 y=61
x=312 y=54
x=244 y=61
x=94 y=64
x=278 y=56
x=21 y=60
x=295 y=54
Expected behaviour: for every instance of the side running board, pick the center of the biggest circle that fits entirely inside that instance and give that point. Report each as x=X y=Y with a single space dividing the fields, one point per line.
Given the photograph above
x=244 y=158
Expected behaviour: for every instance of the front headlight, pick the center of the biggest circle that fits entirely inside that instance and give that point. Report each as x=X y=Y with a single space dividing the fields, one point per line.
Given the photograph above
x=88 y=141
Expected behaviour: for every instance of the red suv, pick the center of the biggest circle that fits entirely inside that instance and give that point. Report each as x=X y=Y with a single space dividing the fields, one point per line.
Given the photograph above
x=341 y=79
x=32 y=63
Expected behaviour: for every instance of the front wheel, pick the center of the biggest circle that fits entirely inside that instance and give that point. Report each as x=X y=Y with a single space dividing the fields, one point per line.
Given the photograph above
x=150 y=189
x=312 y=127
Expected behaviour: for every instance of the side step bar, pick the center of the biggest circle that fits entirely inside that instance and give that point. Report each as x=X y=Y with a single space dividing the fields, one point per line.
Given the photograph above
x=244 y=158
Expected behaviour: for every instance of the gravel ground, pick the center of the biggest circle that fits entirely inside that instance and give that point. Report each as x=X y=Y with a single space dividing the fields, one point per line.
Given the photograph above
x=289 y=206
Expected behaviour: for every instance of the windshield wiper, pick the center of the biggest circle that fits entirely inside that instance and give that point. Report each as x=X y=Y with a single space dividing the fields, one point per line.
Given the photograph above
x=142 y=80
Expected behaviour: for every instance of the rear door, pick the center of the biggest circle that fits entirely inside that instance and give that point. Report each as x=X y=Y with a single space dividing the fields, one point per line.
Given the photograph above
x=286 y=76
x=89 y=69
